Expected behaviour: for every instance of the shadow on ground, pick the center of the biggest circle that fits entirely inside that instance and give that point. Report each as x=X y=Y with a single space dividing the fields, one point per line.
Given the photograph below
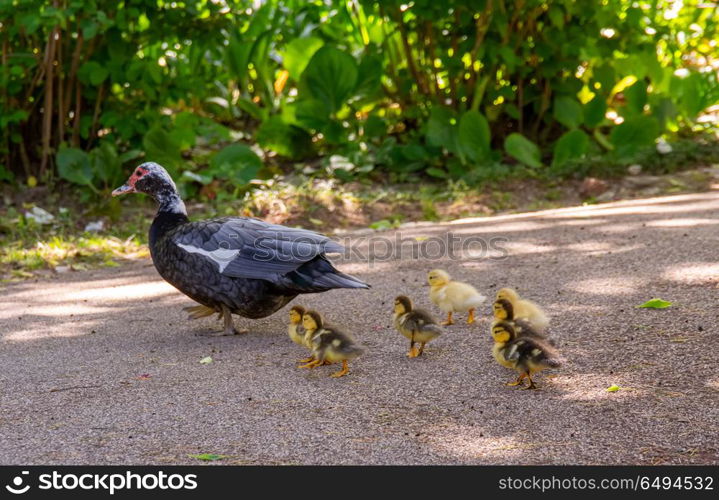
x=102 y=367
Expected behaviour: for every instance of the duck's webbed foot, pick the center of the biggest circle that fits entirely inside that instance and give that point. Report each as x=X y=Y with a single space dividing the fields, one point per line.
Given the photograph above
x=199 y=311
x=344 y=371
x=229 y=325
x=449 y=320
x=517 y=382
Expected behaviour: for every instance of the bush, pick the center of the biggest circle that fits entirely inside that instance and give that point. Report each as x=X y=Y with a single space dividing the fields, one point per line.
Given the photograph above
x=448 y=89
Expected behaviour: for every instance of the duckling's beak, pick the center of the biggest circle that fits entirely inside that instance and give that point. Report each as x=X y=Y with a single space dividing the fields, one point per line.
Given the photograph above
x=124 y=189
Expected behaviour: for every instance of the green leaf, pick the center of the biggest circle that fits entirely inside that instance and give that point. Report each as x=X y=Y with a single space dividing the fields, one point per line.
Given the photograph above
x=298 y=53
x=656 y=304
x=206 y=360
x=381 y=225
x=331 y=77
x=106 y=164
x=556 y=15
x=195 y=177
x=474 y=135
x=568 y=112
x=369 y=76
x=236 y=162
x=437 y=172
x=635 y=133
x=522 y=149
x=208 y=457
x=571 y=145
x=74 y=165
x=613 y=388
x=440 y=131
x=594 y=111
x=311 y=114
x=636 y=97
x=162 y=148
x=92 y=72
x=285 y=140
x=374 y=126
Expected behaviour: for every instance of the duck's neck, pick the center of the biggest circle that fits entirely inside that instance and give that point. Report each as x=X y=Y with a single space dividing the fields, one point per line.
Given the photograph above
x=170 y=214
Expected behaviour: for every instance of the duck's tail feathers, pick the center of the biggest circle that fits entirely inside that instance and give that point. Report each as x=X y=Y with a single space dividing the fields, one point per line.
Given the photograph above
x=319 y=275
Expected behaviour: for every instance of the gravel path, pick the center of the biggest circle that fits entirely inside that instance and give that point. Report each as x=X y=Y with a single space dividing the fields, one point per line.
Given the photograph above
x=102 y=367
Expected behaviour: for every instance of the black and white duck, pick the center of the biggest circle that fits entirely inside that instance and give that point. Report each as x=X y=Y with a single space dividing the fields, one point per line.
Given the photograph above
x=233 y=265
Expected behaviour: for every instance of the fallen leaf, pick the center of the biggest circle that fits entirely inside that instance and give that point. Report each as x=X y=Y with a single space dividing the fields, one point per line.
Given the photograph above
x=656 y=304
x=613 y=388
x=679 y=340
x=208 y=457
x=144 y=376
x=206 y=361
x=421 y=238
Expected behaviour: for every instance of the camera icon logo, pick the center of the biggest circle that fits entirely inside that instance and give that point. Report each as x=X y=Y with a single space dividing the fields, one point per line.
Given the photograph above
x=17 y=481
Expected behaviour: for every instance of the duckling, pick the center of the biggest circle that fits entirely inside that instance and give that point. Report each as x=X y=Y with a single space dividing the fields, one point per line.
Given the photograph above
x=329 y=344
x=504 y=310
x=525 y=309
x=453 y=296
x=415 y=324
x=297 y=332
x=525 y=354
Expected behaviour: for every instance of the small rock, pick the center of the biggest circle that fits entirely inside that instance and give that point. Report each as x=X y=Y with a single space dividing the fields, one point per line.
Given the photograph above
x=40 y=215
x=593 y=187
x=641 y=181
x=606 y=196
x=663 y=147
x=62 y=269
x=651 y=191
x=635 y=169
x=94 y=227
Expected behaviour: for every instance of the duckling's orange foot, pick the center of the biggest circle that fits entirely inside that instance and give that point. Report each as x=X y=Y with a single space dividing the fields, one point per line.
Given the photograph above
x=307 y=360
x=448 y=321
x=413 y=353
x=311 y=364
x=531 y=386
x=470 y=318
x=344 y=371
x=519 y=381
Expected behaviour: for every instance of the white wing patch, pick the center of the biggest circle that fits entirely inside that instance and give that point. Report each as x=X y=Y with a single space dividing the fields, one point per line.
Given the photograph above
x=222 y=256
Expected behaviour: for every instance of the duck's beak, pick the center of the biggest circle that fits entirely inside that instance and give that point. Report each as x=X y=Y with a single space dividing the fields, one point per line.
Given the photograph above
x=124 y=189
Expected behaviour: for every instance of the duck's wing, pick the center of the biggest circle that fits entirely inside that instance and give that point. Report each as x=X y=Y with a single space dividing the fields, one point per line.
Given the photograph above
x=244 y=247
x=420 y=320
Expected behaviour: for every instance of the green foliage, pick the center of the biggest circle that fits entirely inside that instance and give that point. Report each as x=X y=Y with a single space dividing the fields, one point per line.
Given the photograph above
x=445 y=90
x=237 y=163
x=572 y=145
x=474 y=136
x=633 y=134
x=522 y=149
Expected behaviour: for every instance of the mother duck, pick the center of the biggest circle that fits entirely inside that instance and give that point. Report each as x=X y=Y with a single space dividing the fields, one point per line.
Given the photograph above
x=232 y=265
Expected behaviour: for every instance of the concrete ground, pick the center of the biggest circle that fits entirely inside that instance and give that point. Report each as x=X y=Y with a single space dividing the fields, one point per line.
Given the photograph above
x=103 y=368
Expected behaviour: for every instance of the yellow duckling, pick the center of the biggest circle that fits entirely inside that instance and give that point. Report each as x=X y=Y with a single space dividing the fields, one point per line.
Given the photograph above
x=415 y=324
x=525 y=309
x=329 y=344
x=297 y=332
x=525 y=354
x=453 y=296
x=504 y=310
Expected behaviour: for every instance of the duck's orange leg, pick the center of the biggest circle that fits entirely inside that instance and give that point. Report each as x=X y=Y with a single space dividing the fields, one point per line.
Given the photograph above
x=448 y=321
x=344 y=371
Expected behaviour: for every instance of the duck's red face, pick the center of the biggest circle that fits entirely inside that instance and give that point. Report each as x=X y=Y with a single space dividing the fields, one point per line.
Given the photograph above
x=129 y=186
